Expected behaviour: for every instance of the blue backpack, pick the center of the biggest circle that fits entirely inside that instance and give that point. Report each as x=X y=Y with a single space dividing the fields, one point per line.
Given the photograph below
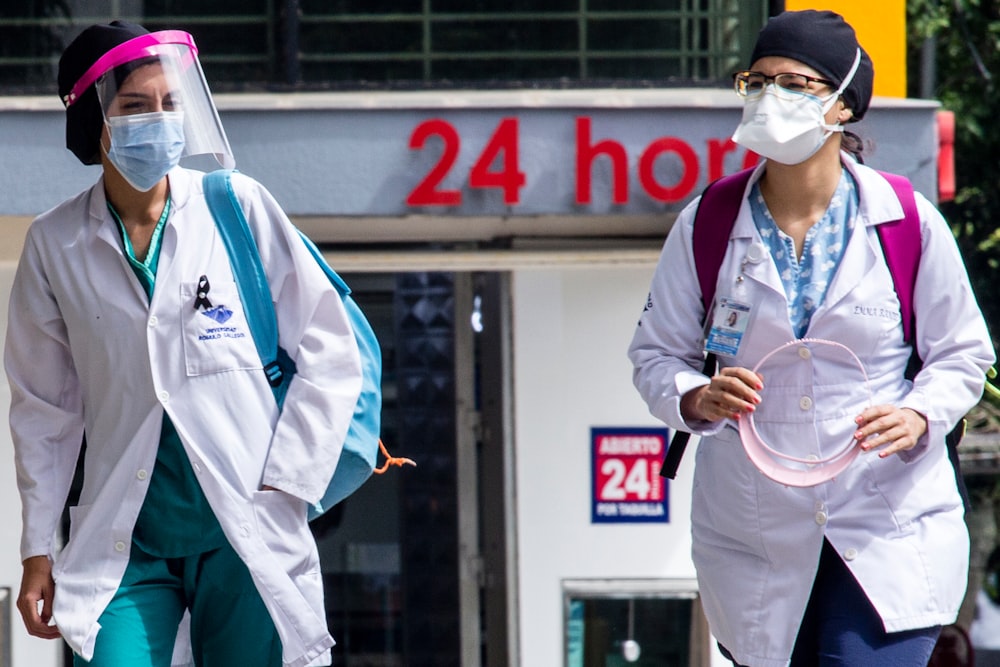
x=357 y=462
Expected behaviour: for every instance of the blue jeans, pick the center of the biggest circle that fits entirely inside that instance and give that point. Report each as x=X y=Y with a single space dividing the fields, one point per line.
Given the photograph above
x=841 y=628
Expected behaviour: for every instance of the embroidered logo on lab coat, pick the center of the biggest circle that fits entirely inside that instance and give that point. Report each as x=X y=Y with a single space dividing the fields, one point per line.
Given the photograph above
x=220 y=314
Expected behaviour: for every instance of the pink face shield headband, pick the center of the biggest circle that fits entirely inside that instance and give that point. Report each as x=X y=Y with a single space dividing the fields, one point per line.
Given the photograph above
x=769 y=460
x=142 y=46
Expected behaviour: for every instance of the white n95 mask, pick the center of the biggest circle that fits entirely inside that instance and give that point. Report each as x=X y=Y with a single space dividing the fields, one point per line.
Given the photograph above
x=788 y=126
x=785 y=129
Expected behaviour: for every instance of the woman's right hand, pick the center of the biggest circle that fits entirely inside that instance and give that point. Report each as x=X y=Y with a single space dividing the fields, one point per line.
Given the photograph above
x=732 y=392
x=37 y=586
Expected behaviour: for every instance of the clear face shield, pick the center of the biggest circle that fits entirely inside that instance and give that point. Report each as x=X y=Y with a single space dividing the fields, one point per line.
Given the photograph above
x=158 y=73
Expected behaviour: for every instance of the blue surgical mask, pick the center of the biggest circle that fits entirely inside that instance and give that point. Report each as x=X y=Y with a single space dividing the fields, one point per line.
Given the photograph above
x=144 y=147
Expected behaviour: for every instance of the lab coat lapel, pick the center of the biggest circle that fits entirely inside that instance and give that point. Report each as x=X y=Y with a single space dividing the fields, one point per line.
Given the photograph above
x=106 y=231
x=763 y=272
x=854 y=269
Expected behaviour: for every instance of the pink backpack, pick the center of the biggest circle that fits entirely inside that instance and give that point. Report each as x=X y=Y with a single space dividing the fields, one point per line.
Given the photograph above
x=713 y=223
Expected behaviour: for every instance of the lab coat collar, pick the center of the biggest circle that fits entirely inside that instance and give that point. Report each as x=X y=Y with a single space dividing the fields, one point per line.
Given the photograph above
x=105 y=228
x=180 y=180
x=877 y=199
x=877 y=203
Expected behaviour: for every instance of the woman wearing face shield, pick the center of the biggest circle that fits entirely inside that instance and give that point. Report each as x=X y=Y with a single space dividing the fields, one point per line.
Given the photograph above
x=189 y=544
x=863 y=568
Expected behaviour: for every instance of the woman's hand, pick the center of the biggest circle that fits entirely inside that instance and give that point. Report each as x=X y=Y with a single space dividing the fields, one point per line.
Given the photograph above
x=890 y=428
x=732 y=392
x=37 y=586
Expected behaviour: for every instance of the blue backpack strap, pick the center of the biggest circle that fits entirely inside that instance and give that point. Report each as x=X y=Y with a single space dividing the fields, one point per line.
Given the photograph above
x=251 y=281
x=361 y=445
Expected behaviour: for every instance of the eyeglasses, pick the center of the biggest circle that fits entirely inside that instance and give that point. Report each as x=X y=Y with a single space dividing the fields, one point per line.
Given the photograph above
x=752 y=84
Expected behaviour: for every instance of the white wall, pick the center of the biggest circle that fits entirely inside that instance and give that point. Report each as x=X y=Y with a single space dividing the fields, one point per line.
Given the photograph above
x=571 y=329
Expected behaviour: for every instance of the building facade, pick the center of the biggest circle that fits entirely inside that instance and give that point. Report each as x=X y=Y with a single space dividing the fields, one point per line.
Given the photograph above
x=495 y=185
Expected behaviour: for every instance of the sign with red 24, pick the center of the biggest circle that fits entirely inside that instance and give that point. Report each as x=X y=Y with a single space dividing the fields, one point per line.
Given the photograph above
x=626 y=485
x=498 y=165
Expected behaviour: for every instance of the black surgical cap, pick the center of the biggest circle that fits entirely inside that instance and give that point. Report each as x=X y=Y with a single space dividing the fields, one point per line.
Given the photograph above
x=84 y=118
x=825 y=42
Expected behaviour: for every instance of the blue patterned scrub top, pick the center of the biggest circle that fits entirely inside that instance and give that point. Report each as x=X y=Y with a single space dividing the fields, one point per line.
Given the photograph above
x=806 y=278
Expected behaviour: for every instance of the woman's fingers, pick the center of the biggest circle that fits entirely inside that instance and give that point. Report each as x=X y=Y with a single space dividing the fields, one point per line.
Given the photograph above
x=732 y=392
x=889 y=429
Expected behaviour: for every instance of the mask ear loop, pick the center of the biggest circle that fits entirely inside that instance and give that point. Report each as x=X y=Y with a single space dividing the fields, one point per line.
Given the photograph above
x=768 y=459
x=840 y=91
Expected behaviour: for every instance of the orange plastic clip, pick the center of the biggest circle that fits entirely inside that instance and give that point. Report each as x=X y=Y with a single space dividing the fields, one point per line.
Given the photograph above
x=391 y=460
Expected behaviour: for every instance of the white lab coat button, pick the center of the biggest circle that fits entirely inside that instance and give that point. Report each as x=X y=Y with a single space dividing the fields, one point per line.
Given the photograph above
x=804 y=352
x=756 y=253
x=245 y=530
x=164 y=396
x=820 y=505
x=141 y=475
x=805 y=402
x=821 y=518
x=196 y=466
x=119 y=547
x=851 y=554
x=153 y=321
x=813 y=458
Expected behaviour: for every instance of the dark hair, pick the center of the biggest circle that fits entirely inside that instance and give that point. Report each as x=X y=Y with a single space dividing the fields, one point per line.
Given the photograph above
x=854 y=145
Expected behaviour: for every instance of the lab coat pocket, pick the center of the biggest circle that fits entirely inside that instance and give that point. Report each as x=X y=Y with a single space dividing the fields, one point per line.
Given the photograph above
x=281 y=520
x=726 y=493
x=282 y=526
x=216 y=335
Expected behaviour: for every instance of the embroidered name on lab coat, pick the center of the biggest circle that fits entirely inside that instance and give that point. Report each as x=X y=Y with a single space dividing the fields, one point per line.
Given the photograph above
x=872 y=311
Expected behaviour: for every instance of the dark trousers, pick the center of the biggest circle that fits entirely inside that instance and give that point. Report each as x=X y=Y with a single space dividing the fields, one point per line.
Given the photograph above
x=841 y=628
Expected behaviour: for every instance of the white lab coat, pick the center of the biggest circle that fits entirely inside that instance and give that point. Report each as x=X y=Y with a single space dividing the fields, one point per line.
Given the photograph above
x=87 y=351
x=897 y=522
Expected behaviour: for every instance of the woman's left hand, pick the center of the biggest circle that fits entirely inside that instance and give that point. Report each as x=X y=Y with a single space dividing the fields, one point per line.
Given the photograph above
x=890 y=428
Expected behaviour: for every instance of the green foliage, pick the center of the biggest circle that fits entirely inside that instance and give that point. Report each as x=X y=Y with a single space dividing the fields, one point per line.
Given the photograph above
x=966 y=37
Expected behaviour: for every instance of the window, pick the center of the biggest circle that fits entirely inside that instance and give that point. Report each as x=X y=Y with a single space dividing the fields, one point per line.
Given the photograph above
x=428 y=43
x=640 y=623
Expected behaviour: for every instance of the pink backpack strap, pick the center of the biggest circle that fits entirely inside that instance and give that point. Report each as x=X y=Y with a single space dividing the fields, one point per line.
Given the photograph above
x=901 y=245
x=713 y=222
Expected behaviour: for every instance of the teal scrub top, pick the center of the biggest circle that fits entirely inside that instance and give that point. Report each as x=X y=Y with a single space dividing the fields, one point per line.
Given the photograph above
x=176 y=519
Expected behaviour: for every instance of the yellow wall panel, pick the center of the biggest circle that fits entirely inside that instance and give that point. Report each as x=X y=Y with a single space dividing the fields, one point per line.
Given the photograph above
x=881 y=28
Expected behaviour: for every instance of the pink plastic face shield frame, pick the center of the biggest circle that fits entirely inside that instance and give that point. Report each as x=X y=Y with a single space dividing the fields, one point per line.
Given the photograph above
x=135 y=48
x=768 y=460
x=203 y=131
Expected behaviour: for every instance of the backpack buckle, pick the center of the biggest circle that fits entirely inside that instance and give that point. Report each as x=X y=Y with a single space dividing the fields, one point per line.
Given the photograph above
x=274 y=374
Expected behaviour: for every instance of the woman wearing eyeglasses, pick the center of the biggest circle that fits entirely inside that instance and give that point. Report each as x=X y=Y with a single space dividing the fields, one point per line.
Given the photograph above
x=864 y=568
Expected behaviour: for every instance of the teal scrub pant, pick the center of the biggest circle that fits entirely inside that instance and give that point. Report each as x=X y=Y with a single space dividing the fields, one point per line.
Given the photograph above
x=230 y=627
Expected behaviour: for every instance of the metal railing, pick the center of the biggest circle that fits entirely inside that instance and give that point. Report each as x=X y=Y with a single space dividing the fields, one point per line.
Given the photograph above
x=307 y=42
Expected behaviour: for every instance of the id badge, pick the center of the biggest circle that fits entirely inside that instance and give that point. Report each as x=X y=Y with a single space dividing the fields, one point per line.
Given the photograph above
x=730 y=319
